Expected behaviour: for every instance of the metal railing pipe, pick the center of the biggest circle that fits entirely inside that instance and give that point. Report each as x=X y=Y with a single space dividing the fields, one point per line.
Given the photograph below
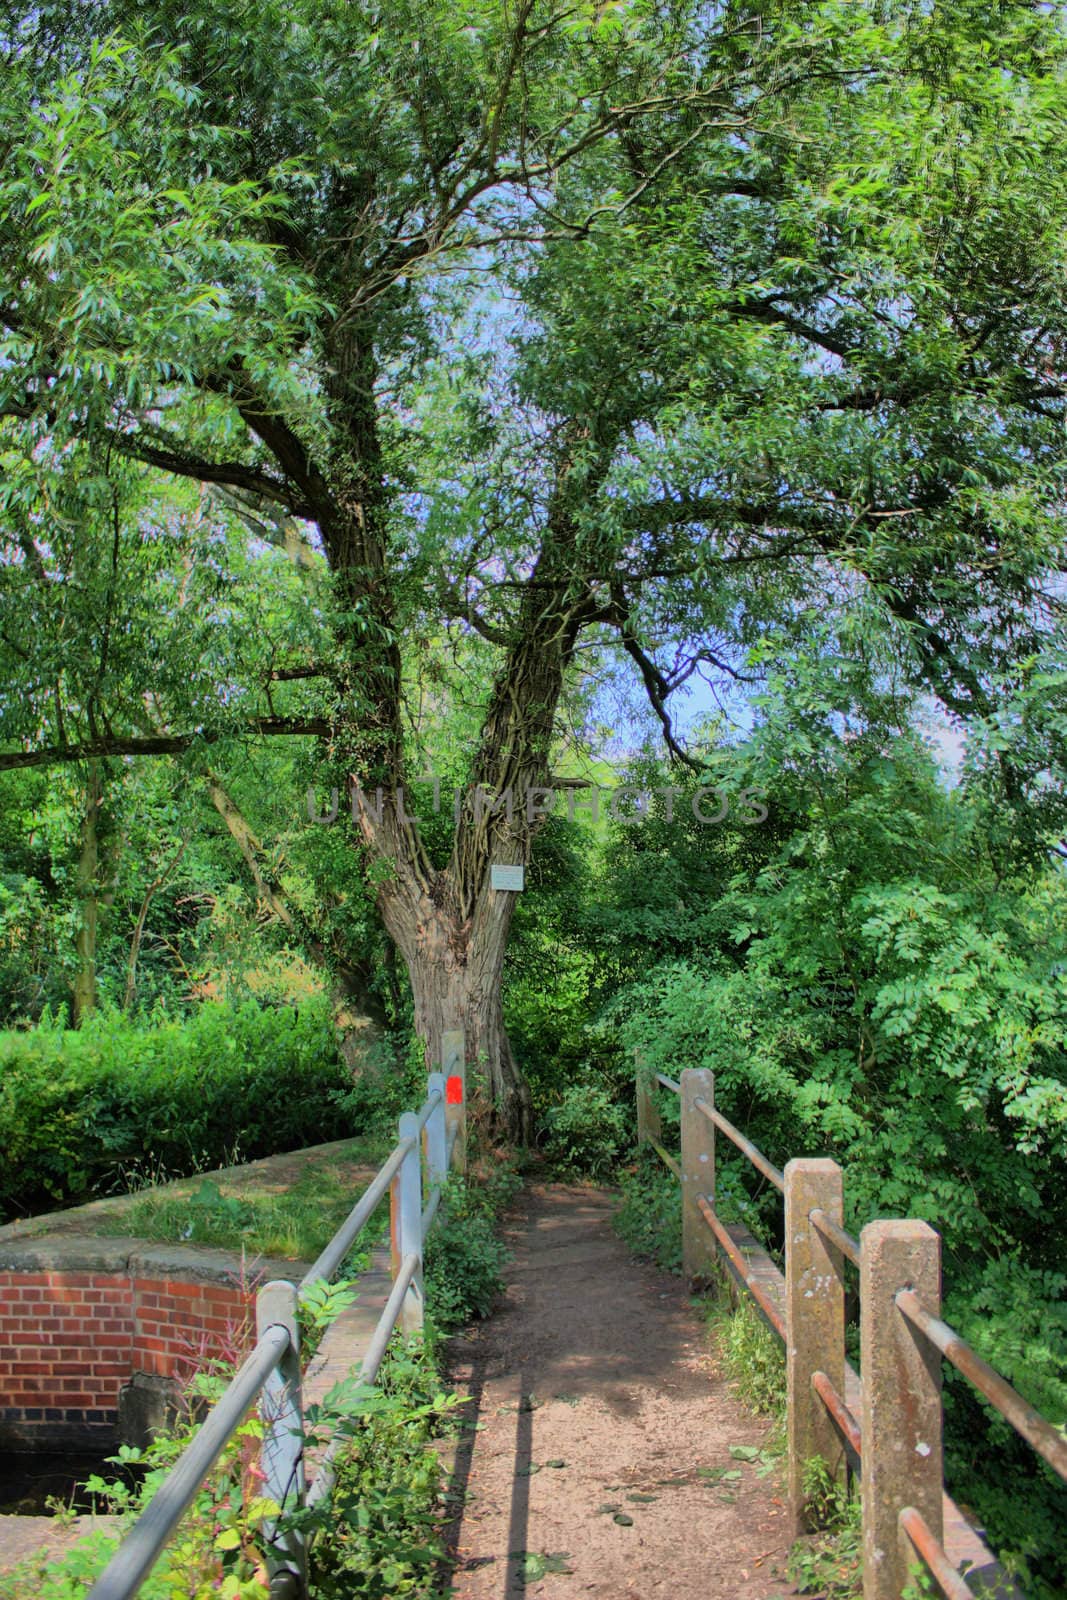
x=765 y=1303
x=1045 y=1439
x=848 y=1246
x=746 y=1147
x=146 y=1540
x=342 y=1241
x=372 y=1360
x=429 y=1214
x=422 y=1116
x=666 y=1157
x=932 y=1553
x=669 y=1083
x=846 y=1423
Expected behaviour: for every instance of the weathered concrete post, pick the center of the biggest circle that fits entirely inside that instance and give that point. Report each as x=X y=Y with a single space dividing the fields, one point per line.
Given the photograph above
x=648 y=1118
x=814 y=1323
x=901 y=1399
x=698 y=1173
x=282 y=1450
x=435 y=1134
x=454 y=1068
x=405 y=1219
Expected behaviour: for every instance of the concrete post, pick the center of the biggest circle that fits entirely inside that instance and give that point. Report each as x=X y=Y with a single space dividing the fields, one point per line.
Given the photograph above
x=454 y=1068
x=282 y=1449
x=901 y=1374
x=435 y=1135
x=814 y=1324
x=698 y=1173
x=405 y=1218
x=648 y=1118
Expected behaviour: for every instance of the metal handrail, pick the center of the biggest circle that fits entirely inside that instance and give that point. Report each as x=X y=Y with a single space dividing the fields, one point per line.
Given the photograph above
x=730 y=1249
x=1048 y=1441
x=848 y=1246
x=342 y=1241
x=746 y=1147
x=429 y=1107
x=669 y=1083
x=667 y=1159
x=846 y=1422
x=932 y=1552
x=143 y=1545
x=368 y=1371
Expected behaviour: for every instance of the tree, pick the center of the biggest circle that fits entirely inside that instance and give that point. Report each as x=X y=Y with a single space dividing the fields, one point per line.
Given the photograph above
x=754 y=339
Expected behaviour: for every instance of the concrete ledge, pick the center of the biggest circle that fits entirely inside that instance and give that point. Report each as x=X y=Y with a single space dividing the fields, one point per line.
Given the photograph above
x=134 y=1258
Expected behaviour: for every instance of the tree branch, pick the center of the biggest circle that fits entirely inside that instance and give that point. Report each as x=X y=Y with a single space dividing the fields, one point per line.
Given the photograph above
x=163 y=744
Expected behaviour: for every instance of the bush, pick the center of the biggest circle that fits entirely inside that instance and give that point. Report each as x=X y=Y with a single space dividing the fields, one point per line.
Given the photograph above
x=232 y=1082
x=650 y=1217
x=464 y=1258
x=587 y=1132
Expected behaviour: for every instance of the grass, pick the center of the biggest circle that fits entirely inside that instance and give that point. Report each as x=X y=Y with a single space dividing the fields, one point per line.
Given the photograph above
x=295 y=1222
x=751 y=1355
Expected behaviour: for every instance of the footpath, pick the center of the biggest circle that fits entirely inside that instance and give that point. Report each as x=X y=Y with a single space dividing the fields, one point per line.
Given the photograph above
x=604 y=1454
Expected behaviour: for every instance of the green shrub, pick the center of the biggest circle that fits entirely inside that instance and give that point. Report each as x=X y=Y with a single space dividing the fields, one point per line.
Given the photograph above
x=380 y=1532
x=464 y=1258
x=78 y=1109
x=589 y=1129
x=650 y=1217
x=751 y=1355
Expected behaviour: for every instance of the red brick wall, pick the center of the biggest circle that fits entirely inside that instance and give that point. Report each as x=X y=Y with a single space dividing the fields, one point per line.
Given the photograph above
x=70 y=1340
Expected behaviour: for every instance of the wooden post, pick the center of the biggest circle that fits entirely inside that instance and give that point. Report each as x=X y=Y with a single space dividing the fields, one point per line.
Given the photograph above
x=698 y=1173
x=454 y=1067
x=282 y=1450
x=648 y=1119
x=814 y=1324
x=405 y=1219
x=901 y=1399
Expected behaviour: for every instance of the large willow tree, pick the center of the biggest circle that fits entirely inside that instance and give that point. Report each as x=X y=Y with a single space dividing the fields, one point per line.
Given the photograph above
x=634 y=323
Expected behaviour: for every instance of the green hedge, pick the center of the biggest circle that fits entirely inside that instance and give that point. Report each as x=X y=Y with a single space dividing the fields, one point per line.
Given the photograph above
x=80 y=1111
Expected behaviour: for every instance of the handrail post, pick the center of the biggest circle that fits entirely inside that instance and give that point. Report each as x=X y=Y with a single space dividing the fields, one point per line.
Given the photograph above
x=454 y=1067
x=406 y=1221
x=901 y=1374
x=282 y=1451
x=814 y=1324
x=435 y=1134
x=648 y=1118
x=698 y=1173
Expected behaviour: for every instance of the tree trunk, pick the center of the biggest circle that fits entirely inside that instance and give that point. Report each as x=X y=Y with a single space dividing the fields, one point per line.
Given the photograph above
x=84 y=992
x=456 y=969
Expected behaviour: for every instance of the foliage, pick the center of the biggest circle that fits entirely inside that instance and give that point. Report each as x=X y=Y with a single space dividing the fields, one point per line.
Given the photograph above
x=750 y=1353
x=650 y=1217
x=381 y=1535
x=588 y=1129
x=829 y=1563
x=296 y=1224
x=78 y=1107
x=888 y=987
x=464 y=1257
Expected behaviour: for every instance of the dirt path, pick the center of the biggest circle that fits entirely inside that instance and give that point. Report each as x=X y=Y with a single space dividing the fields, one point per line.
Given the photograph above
x=603 y=1431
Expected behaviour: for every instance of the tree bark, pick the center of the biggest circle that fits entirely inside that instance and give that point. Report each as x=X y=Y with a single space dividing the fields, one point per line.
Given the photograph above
x=84 y=989
x=456 y=968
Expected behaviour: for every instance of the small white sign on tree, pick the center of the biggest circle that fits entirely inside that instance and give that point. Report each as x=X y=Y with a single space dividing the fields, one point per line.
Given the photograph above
x=507 y=878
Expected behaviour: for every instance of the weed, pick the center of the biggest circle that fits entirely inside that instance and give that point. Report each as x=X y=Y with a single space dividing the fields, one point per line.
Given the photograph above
x=829 y=1563
x=750 y=1353
x=650 y=1217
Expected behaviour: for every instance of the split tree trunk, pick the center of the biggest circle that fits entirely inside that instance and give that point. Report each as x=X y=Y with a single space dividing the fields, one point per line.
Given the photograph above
x=456 y=969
